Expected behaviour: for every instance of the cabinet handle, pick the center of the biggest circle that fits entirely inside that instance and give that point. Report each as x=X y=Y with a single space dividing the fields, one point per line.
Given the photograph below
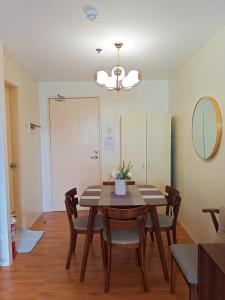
x=149 y=165
x=143 y=165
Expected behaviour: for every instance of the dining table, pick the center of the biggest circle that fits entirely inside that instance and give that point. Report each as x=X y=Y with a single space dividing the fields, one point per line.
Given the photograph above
x=98 y=196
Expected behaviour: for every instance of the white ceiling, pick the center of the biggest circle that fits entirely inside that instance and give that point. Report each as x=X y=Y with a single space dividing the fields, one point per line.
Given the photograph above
x=53 y=40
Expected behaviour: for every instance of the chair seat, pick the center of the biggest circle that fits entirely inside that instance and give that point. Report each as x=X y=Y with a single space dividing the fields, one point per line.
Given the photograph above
x=123 y=236
x=164 y=221
x=186 y=256
x=81 y=223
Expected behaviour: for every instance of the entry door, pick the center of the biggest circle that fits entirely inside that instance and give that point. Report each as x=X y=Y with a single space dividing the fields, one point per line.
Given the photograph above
x=74 y=146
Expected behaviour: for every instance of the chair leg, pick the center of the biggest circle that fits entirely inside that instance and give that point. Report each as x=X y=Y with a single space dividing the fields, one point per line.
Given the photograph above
x=92 y=237
x=168 y=238
x=106 y=255
x=174 y=235
x=193 y=292
x=144 y=245
x=173 y=276
x=103 y=249
x=138 y=256
x=142 y=260
x=152 y=236
x=72 y=246
x=95 y=213
x=108 y=268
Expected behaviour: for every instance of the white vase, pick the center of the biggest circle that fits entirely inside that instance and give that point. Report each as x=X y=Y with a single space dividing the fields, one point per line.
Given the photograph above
x=120 y=187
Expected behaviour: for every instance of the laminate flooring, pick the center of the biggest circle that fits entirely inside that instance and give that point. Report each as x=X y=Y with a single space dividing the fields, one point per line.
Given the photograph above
x=41 y=274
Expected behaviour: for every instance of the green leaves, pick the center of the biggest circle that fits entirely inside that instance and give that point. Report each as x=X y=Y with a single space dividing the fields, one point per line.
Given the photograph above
x=123 y=171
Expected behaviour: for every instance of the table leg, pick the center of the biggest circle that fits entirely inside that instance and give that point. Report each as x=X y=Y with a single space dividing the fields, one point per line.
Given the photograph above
x=155 y=223
x=90 y=226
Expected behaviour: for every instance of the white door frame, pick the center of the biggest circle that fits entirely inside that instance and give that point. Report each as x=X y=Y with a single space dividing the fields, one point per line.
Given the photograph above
x=47 y=184
x=5 y=231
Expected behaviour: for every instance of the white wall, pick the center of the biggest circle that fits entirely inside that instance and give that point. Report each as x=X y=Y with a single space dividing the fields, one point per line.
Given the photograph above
x=29 y=154
x=201 y=182
x=149 y=96
x=5 y=240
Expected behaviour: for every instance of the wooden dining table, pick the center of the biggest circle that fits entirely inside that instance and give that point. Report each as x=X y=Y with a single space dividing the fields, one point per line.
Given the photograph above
x=97 y=197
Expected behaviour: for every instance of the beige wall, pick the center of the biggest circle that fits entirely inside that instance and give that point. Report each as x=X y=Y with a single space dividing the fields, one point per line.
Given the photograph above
x=201 y=182
x=29 y=160
x=148 y=96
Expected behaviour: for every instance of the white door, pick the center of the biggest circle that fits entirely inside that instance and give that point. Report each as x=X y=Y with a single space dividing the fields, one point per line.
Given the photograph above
x=133 y=144
x=74 y=146
x=158 y=149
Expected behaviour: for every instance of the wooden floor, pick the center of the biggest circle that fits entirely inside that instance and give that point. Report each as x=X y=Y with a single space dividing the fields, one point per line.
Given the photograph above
x=42 y=274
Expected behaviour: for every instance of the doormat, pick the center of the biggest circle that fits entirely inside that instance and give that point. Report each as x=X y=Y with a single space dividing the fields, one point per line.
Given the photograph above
x=26 y=240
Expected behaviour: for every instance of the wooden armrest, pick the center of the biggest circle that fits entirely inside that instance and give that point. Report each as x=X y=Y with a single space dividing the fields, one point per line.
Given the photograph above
x=212 y=212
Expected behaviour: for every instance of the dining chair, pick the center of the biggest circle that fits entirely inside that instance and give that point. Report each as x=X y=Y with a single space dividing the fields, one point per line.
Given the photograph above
x=185 y=258
x=78 y=225
x=124 y=228
x=167 y=221
x=111 y=182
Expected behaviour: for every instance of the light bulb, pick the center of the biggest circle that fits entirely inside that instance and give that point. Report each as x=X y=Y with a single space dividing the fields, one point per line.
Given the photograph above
x=101 y=77
x=131 y=79
x=135 y=76
x=110 y=82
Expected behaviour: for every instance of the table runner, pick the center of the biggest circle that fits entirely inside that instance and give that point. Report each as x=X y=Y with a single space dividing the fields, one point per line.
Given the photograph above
x=132 y=197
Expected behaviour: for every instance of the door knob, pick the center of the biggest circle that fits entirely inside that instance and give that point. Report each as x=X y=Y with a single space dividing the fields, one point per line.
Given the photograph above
x=94 y=157
x=13 y=165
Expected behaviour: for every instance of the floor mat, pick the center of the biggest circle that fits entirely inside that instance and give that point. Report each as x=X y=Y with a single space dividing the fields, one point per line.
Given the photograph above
x=26 y=240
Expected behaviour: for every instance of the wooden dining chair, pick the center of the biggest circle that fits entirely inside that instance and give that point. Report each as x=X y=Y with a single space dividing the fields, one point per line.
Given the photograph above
x=167 y=221
x=111 y=182
x=125 y=228
x=78 y=225
x=185 y=258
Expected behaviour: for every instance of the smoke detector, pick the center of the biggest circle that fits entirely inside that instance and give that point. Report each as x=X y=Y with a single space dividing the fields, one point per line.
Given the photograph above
x=91 y=14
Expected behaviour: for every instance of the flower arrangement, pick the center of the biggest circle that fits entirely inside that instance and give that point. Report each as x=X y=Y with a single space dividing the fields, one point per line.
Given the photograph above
x=122 y=172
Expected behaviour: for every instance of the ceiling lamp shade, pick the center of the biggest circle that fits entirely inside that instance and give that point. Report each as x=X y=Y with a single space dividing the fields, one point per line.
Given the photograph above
x=118 y=79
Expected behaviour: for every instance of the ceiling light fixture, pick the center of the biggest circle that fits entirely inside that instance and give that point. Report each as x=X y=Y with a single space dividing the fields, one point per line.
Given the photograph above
x=118 y=79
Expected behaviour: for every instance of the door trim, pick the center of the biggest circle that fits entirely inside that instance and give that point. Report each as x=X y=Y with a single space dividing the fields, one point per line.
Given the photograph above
x=13 y=102
x=50 y=143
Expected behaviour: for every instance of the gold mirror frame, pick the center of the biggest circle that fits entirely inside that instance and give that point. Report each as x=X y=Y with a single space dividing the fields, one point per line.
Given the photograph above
x=218 y=126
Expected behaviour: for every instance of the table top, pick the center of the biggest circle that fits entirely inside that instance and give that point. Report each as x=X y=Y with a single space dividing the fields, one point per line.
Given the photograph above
x=216 y=252
x=104 y=195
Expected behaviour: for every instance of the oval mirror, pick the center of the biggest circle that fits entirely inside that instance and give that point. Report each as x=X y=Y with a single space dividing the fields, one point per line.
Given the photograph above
x=206 y=127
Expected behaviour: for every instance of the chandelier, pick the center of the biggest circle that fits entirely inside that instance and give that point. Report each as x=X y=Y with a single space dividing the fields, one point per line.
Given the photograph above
x=118 y=79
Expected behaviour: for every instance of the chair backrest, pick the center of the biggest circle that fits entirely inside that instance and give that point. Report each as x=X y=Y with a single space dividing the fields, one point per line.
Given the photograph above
x=116 y=218
x=71 y=202
x=174 y=200
x=110 y=182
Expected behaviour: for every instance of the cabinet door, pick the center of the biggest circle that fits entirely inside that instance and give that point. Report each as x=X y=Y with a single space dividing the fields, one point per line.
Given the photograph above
x=133 y=144
x=158 y=150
